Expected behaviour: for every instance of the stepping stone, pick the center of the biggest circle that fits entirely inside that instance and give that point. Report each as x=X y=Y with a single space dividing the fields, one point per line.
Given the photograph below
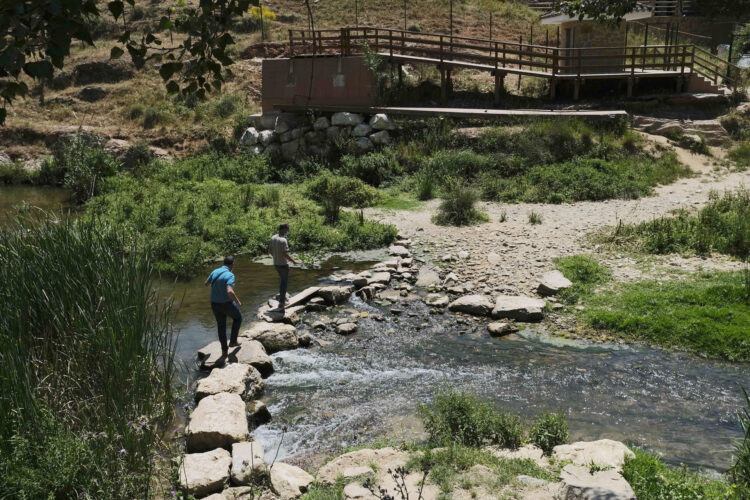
x=518 y=308
x=552 y=283
x=303 y=297
x=577 y=483
x=249 y=352
x=218 y=421
x=382 y=278
x=399 y=251
x=257 y=413
x=436 y=300
x=346 y=328
x=602 y=453
x=427 y=277
x=499 y=329
x=204 y=473
x=477 y=305
x=275 y=337
x=234 y=378
x=288 y=481
x=248 y=461
x=334 y=295
x=270 y=314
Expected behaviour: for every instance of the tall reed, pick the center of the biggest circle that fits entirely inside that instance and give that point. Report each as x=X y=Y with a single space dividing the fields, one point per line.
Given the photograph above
x=86 y=363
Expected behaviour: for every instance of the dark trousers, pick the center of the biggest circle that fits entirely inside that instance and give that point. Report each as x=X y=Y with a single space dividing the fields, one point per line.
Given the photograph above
x=221 y=311
x=284 y=275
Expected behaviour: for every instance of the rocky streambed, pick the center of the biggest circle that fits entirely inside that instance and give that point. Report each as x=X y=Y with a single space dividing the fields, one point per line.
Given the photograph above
x=355 y=353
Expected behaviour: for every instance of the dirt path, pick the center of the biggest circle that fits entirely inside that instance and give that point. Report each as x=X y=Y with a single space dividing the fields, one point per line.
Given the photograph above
x=509 y=257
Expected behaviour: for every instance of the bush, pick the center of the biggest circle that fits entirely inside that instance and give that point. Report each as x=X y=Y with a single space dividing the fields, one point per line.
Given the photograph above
x=425 y=186
x=457 y=209
x=548 y=431
x=584 y=272
x=740 y=155
x=15 y=173
x=372 y=168
x=651 y=478
x=137 y=155
x=464 y=164
x=464 y=419
x=334 y=192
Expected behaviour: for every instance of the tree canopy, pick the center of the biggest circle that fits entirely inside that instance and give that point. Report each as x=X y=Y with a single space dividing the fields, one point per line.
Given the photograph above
x=615 y=10
x=37 y=35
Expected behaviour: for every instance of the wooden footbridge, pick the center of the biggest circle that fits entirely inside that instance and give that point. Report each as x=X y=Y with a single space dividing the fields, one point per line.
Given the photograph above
x=689 y=66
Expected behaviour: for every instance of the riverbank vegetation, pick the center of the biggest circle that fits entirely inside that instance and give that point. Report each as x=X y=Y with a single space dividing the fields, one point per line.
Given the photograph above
x=86 y=365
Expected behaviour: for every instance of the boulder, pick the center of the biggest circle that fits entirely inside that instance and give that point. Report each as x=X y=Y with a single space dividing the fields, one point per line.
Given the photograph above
x=714 y=133
x=382 y=277
x=344 y=119
x=478 y=305
x=249 y=352
x=92 y=93
x=314 y=137
x=498 y=329
x=381 y=122
x=218 y=421
x=382 y=138
x=265 y=121
x=266 y=137
x=305 y=340
x=350 y=465
x=258 y=413
x=427 y=277
x=275 y=337
x=436 y=300
x=552 y=283
x=282 y=127
x=250 y=137
x=273 y=149
x=243 y=493
x=333 y=133
x=602 y=453
x=361 y=130
x=290 y=149
x=346 y=328
x=399 y=251
x=288 y=481
x=518 y=308
x=578 y=483
x=256 y=149
x=234 y=378
x=101 y=72
x=248 y=460
x=321 y=123
x=364 y=144
x=334 y=295
x=204 y=473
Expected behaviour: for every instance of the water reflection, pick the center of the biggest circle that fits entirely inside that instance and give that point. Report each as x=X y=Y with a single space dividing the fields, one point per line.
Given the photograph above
x=23 y=200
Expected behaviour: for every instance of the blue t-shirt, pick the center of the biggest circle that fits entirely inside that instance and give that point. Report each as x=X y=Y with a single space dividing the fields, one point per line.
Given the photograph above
x=219 y=279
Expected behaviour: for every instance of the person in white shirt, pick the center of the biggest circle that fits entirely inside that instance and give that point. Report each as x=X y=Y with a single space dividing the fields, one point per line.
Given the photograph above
x=279 y=250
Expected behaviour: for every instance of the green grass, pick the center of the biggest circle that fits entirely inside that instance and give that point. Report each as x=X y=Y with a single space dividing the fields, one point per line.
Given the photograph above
x=650 y=478
x=585 y=274
x=722 y=226
x=706 y=313
x=740 y=155
x=457 y=207
x=325 y=491
x=399 y=202
x=86 y=364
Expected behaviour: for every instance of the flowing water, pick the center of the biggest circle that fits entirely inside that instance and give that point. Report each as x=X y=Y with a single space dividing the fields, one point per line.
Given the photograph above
x=359 y=388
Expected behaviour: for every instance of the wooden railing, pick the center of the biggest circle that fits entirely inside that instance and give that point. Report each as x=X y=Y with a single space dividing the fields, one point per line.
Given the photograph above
x=510 y=57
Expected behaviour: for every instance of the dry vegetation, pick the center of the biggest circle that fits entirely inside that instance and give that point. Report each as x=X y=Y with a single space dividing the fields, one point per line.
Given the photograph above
x=138 y=107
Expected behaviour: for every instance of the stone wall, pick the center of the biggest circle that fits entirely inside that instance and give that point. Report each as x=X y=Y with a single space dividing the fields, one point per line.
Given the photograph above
x=291 y=135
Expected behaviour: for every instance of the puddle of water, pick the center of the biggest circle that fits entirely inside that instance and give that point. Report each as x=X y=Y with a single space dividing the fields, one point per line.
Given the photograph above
x=21 y=200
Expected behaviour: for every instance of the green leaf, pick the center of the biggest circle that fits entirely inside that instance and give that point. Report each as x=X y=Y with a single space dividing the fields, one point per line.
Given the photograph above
x=39 y=69
x=116 y=53
x=116 y=7
x=168 y=69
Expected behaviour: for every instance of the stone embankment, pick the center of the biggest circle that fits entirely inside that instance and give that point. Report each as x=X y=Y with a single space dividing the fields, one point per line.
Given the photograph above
x=289 y=134
x=220 y=450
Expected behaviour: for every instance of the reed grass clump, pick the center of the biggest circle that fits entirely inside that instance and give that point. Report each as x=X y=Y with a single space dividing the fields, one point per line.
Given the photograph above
x=457 y=207
x=86 y=364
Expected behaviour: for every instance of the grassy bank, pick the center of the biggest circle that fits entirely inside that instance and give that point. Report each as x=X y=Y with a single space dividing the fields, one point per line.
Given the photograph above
x=86 y=365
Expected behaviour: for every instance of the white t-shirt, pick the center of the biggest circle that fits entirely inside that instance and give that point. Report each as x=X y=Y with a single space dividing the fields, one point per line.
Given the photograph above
x=278 y=247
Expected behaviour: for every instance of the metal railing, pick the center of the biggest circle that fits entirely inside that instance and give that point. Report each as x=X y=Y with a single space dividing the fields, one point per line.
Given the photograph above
x=510 y=57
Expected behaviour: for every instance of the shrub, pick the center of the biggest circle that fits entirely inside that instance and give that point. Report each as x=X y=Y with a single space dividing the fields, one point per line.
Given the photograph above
x=740 y=155
x=137 y=156
x=584 y=272
x=372 y=168
x=464 y=164
x=457 y=208
x=15 y=173
x=334 y=192
x=464 y=419
x=535 y=218
x=548 y=431
x=425 y=185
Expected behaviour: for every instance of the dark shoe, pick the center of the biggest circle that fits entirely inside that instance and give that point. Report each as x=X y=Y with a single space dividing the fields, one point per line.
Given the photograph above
x=224 y=353
x=234 y=344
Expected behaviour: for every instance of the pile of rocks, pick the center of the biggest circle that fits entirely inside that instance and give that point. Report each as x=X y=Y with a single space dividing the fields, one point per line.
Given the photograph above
x=290 y=135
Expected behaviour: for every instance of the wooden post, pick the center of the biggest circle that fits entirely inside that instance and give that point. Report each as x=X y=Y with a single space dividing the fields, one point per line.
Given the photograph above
x=520 y=56
x=443 y=92
x=291 y=43
x=576 y=88
x=630 y=87
x=356 y=13
x=490 y=25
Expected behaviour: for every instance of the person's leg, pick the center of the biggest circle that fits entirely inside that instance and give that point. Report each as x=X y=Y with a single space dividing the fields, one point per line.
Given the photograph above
x=221 y=324
x=236 y=315
x=283 y=285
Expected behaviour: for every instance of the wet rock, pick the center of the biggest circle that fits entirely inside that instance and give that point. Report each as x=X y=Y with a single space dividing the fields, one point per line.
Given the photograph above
x=427 y=277
x=381 y=277
x=305 y=340
x=436 y=300
x=366 y=293
x=250 y=352
x=250 y=137
x=218 y=421
x=552 y=283
x=399 y=251
x=234 y=378
x=603 y=453
x=92 y=93
x=381 y=122
x=204 y=473
x=290 y=315
x=275 y=337
x=518 y=308
x=334 y=295
x=477 y=305
x=498 y=329
x=288 y=481
x=258 y=413
x=577 y=483
x=344 y=119
x=248 y=461
x=346 y=328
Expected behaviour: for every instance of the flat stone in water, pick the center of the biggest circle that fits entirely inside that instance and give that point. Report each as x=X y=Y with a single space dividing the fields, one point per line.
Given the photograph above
x=234 y=378
x=249 y=352
x=205 y=473
x=218 y=421
x=248 y=460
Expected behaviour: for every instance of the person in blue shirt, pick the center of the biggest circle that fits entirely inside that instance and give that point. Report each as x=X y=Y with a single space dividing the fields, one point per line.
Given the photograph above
x=225 y=303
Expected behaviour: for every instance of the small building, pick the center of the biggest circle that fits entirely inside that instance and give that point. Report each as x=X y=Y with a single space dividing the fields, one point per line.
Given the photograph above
x=593 y=47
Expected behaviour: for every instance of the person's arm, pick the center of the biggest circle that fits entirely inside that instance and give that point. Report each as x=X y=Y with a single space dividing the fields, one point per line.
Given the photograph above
x=230 y=292
x=288 y=257
x=208 y=280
